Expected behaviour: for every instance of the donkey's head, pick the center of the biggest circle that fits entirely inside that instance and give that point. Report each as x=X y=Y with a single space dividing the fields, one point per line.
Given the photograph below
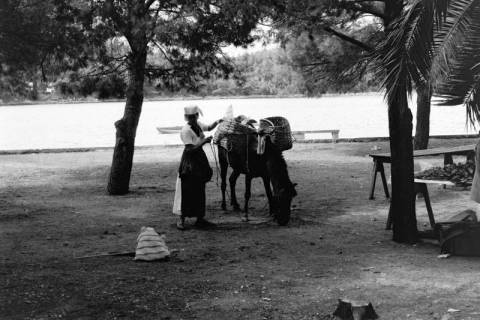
x=284 y=203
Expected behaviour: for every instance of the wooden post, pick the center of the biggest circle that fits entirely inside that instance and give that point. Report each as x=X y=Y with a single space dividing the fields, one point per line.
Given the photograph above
x=335 y=135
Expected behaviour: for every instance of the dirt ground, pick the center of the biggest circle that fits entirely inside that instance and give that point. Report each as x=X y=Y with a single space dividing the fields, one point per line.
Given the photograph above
x=54 y=209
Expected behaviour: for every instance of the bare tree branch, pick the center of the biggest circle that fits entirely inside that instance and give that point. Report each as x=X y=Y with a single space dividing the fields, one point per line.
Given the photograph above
x=148 y=3
x=103 y=71
x=349 y=39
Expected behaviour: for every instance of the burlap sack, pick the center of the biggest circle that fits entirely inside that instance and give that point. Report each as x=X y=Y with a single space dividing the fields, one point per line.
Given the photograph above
x=150 y=245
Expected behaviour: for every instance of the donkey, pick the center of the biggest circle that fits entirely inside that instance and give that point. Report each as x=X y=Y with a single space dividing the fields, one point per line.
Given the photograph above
x=283 y=188
x=269 y=165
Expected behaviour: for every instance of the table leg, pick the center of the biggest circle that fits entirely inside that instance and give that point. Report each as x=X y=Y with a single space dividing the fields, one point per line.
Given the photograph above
x=447 y=159
x=422 y=188
x=471 y=156
x=378 y=167
x=373 y=179
x=384 y=180
x=389 y=218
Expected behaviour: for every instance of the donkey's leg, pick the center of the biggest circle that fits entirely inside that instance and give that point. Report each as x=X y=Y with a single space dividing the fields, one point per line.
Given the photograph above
x=268 y=191
x=233 y=180
x=248 y=185
x=223 y=176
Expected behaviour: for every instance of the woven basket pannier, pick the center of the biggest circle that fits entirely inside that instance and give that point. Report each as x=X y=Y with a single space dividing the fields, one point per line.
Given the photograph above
x=231 y=134
x=281 y=135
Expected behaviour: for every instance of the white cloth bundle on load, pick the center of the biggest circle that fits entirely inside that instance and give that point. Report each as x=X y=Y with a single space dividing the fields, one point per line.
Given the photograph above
x=150 y=245
x=228 y=113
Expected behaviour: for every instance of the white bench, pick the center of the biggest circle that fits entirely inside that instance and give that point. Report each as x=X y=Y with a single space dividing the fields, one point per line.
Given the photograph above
x=300 y=135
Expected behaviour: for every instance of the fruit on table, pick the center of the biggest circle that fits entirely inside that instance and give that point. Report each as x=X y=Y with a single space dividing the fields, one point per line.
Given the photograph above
x=459 y=173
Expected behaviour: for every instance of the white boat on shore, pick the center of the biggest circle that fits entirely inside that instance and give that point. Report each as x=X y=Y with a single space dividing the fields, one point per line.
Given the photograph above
x=169 y=130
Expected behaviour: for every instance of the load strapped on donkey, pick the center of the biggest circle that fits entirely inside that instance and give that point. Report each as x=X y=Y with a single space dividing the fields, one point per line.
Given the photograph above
x=257 y=153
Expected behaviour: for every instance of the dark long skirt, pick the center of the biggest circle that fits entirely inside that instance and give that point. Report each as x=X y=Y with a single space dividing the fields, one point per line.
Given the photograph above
x=194 y=171
x=193 y=197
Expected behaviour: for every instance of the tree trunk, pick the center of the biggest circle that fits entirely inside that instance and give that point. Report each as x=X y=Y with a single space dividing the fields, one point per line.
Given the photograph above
x=403 y=197
x=119 y=179
x=34 y=91
x=401 y=149
x=136 y=34
x=422 y=129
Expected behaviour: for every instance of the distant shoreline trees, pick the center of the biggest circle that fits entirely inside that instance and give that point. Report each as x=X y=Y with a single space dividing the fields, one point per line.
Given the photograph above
x=273 y=72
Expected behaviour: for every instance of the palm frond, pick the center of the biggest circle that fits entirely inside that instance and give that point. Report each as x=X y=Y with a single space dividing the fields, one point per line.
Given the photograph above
x=472 y=102
x=451 y=34
x=405 y=56
x=455 y=69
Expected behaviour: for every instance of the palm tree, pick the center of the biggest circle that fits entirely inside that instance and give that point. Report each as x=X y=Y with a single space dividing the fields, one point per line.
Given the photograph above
x=437 y=42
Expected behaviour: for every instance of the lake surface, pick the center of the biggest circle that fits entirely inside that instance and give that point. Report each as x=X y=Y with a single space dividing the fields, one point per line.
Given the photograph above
x=92 y=124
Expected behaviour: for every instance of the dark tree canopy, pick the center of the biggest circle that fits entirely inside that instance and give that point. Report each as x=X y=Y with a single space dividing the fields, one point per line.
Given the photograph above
x=186 y=36
x=331 y=40
x=40 y=34
x=325 y=61
x=40 y=39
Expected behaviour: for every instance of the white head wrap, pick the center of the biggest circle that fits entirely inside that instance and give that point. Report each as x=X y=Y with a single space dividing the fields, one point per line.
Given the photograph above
x=193 y=109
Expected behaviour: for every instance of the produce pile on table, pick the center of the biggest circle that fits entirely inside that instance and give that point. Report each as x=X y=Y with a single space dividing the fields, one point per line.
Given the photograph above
x=459 y=173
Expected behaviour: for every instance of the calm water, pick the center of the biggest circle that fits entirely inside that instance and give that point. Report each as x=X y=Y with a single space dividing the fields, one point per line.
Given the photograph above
x=91 y=124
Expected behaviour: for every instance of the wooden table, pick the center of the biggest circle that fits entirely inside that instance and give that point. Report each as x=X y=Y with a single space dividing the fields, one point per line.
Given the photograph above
x=380 y=158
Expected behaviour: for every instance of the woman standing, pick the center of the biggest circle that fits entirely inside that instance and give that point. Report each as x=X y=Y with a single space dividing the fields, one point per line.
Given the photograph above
x=475 y=191
x=194 y=170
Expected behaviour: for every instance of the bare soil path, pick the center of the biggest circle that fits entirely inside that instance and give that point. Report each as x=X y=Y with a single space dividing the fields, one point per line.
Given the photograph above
x=53 y=208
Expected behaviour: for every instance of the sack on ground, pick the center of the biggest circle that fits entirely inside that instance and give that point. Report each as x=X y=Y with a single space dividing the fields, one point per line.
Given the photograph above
x=460 y=238
x=177 y=200
x=150 y=245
